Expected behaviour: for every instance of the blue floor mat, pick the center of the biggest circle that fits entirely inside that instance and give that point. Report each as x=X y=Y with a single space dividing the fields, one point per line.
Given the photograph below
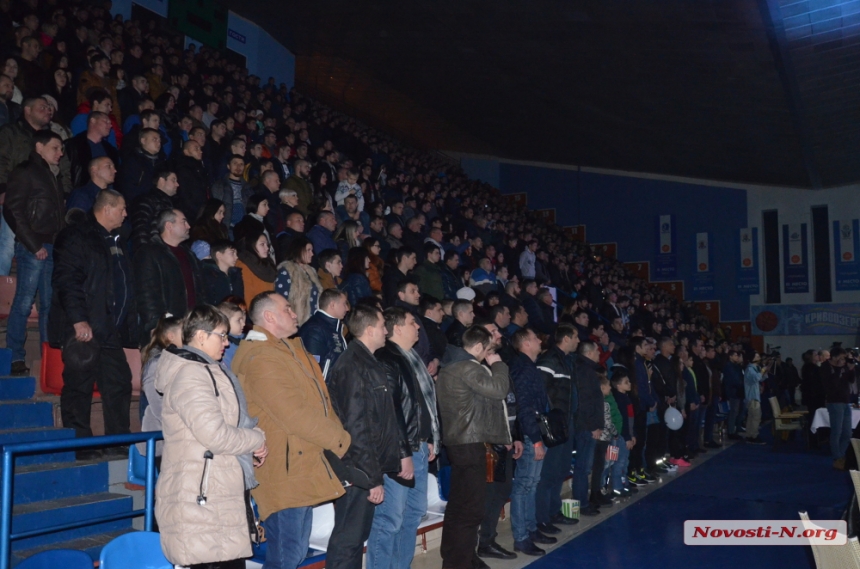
x=743 y=482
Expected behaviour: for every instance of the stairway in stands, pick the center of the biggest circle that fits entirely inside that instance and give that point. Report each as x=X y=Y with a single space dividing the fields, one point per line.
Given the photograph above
x=53 y=489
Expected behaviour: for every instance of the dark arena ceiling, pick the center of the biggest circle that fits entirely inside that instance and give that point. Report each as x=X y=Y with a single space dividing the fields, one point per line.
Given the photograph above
x=756 y=91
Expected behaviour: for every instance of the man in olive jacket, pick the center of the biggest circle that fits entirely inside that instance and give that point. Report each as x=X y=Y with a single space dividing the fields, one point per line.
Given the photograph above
x=285 y=389
x=472 y=409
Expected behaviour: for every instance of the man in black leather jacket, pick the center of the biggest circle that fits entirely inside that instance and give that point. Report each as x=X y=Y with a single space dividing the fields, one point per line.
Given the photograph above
x=392 y=536
x=146 y=208
x=34 y=211
x=362 y=399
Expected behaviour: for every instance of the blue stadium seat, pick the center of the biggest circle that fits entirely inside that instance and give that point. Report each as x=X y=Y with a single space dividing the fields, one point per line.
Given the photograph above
x=54 y=558
x=135 y=550
x=137 y=467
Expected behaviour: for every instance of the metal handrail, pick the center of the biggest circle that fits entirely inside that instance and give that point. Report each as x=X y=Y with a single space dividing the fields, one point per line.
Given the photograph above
x=43 y=447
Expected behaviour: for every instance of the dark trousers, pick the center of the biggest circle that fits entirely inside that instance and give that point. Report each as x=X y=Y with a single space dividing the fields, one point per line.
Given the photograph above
x=597 y=466
x=353 y=516
x=556 y=467
x=640 y=431
x=710 y=419
x=466 y=505
x=677 y=448
x=694 y=418
x=655 y=445
x=113 y=377
x=584 y=460
x=496 y=497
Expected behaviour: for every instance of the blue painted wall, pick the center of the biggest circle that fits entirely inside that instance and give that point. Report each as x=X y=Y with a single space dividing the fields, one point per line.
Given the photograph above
x=625 y=210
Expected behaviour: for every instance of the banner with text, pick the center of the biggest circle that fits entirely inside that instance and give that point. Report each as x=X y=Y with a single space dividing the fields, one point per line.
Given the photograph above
x=703 y=278
x=805 y=319
x=795 y=261
x=846 y=244
x=748 y=271
x=665 y=257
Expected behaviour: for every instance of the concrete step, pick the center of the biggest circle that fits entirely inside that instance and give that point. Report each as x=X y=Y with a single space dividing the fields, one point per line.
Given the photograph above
x=35 y=515
x=17 y=387
x=38 y=434
x=42 y=482
x=23 y=414
x=91 y=545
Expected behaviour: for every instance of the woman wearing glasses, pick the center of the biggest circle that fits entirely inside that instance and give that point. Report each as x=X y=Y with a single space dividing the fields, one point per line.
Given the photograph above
x=211 y=447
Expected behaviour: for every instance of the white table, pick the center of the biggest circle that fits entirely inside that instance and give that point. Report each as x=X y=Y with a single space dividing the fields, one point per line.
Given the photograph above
x=822 y=419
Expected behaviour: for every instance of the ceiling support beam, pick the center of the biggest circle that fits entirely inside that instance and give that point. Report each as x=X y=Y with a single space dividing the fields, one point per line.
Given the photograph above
x=773 y=22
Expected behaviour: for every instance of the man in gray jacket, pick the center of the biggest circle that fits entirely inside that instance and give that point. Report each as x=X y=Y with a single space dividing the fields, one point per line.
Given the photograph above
x=471 y=404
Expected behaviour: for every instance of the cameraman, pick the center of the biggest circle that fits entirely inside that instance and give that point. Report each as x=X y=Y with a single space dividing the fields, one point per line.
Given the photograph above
x=838 y=374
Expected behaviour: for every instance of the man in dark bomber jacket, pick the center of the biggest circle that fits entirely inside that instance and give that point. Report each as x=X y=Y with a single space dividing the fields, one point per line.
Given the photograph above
x=322 y=334
x=588 y=422
x=558 y=371
x=531 y=399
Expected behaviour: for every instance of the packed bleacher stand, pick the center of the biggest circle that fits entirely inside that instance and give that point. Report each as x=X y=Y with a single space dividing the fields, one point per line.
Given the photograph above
x=402 y=318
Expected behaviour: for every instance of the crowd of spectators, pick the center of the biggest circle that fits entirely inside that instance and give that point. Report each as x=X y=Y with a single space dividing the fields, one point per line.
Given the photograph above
x=401 y=318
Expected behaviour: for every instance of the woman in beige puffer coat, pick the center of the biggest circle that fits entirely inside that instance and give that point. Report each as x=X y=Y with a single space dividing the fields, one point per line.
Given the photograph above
x=201 y=502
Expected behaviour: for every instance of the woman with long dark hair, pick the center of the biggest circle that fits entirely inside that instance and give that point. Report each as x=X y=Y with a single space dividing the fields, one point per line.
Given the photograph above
x=254 y=220
x=377 y=265
x=210 y=226
x=258 y=270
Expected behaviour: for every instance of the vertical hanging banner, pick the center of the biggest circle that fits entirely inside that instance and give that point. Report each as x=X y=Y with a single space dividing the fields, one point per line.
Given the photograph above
x=748 y=271
x=846 y=244
x=665 y=258
x=795 y=260
x=703 y=278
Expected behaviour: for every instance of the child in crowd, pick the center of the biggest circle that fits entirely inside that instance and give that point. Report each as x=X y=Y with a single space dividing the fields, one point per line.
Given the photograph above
x=236 y=316
x=168 y=332
x=350 y=187
x=608 y=434
x=625 y=440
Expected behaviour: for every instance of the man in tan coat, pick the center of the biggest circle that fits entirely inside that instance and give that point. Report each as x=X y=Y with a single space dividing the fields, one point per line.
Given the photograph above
x=286 y=391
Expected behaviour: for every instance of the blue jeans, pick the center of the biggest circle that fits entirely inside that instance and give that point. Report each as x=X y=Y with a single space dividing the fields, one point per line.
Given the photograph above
x=7 y=246
x=840 y=428
x=288 y=533
x=584 y=461
x=618 y=475
x=33 y=276
x=526 y=478
x=391 y=544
